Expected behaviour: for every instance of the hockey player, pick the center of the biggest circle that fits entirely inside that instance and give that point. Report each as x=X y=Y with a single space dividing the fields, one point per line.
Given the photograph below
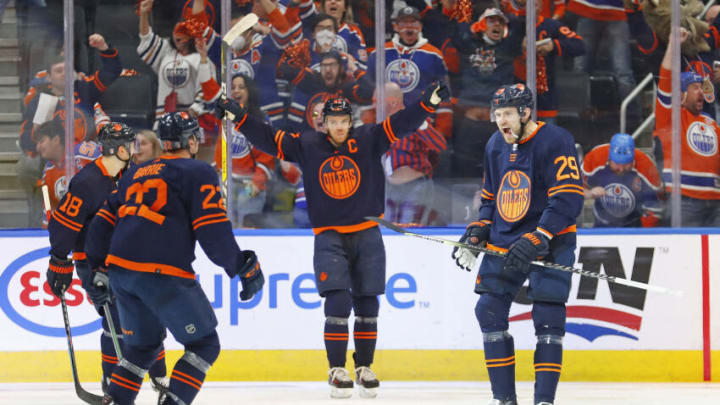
x=68 y=227
x=148 y=230
x=531 y=197
x=624 y=183
x=344 y=183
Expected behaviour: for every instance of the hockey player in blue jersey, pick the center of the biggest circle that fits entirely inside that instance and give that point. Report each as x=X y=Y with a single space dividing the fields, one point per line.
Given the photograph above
x=146 y=234
x=344 y=183
x=68 y=227
x=531 y=197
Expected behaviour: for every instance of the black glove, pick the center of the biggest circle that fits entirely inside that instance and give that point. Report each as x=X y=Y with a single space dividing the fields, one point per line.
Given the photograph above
x=435 y=93
x=476 y=234
x=529 y=247
x=227 y=105
x=99 y=291
x=59 y=275
x=250 y=274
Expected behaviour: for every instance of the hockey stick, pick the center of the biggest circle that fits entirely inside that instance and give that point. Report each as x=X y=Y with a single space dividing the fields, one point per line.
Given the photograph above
x=569 y=269
x=81 y=393
x=238 y=29
x=113 y=333
x=88 y=397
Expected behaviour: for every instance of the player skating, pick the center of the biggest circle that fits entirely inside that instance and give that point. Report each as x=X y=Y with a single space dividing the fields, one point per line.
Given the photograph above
x=68 y=227
x=531 y=197
x=344 y=183
x=151 y=224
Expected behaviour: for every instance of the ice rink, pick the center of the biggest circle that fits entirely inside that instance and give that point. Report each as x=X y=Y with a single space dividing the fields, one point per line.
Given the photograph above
x=392 y=393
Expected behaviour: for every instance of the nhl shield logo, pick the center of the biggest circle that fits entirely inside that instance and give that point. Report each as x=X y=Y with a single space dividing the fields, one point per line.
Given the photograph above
x=514 y=196
x=176 y=73
x=618 y=200
x=702 y=138
x=405 y=73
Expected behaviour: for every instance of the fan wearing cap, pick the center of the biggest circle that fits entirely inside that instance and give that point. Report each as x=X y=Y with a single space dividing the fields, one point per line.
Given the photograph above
x=486 y=61
x=344 y=183
x=700 y=167
x=413 y=63
x=624 y=183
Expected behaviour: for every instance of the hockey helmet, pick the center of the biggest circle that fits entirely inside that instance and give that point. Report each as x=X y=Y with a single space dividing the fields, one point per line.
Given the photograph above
x=113 y=135
x=176 y=128
x=622 y=149
x=337 y=106
x=511 y=95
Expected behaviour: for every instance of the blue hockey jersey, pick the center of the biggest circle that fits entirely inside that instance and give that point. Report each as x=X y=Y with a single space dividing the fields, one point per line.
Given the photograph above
x=342 y=185
x=160 y=209
x=538 y=186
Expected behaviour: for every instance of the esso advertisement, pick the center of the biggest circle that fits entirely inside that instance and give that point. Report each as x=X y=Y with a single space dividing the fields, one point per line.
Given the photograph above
x=429 y=303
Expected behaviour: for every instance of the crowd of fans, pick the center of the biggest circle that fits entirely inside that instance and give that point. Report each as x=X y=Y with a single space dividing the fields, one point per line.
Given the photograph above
x=303 y=52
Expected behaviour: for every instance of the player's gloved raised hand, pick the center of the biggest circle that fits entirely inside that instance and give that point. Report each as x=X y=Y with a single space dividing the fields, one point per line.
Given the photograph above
x=59 y=275
x=251 y=275
x=476 y=234
x=529 y=247
x=435 y=93
x=100 y=291
x=224 y=105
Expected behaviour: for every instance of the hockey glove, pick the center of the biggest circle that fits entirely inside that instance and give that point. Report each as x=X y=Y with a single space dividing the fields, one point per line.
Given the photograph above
x=224 y=105
x=435 y=93
x=529 y=247
x=251 y=276
x=100 y=291
x=476 y=234
x=59 y=275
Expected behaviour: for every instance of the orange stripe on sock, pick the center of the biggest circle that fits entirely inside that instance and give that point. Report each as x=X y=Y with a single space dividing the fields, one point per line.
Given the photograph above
x=496 y=360
x=510 y=363
x=126 y=380
x=185 y=381
x=189 y=377
x=116 y=382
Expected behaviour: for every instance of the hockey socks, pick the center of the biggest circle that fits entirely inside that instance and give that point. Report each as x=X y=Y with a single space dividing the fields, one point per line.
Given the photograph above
x=107 y=349
x=365 y=337
x=125 y=382
x=500 y=361
x=548 y=363
x=336 y=340
x=159 y=369
x=189 y=373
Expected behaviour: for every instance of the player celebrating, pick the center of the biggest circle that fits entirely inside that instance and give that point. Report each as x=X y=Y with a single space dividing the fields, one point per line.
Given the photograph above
x=161 y=208
x=531 y=197
x=68 y=227
x=344 y=183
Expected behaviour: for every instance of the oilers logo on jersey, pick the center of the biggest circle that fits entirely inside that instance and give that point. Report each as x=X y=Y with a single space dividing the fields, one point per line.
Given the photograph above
x=405 y=73
x=339 y=177
x=60 y=188
x=702 y=138
x=514 y=196
x=240 y=145
x=241 y=66
x=176 y=73
x=618 y=200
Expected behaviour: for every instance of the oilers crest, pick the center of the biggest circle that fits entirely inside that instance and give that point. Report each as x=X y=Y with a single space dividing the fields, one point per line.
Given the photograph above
x=618 y=201
x=405 y=73
x=702 y=138
x=60 y=188
x=241 y=66
x=176 y=73
x=339 y=177
x=240 y=145
x=514 y=195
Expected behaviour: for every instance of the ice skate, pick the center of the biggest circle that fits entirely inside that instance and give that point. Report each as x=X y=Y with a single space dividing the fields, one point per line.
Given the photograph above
x=500 y=402
x=160 y=385
x=367 y=382
x=340 y=383
x=107 y=400
x=544 y=403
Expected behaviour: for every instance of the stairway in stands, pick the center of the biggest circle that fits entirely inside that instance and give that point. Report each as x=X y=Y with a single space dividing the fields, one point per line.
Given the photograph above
x=13 y=205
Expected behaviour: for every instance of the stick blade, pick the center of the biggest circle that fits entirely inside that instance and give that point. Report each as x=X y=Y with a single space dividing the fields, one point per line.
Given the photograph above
x=239 y=28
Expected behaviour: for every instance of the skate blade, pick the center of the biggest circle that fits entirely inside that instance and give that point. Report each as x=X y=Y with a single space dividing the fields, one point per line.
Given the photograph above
x=340 y=393
x=367 y=392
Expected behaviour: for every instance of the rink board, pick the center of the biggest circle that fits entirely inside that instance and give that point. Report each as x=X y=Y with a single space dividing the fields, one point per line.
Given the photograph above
x=427 y=328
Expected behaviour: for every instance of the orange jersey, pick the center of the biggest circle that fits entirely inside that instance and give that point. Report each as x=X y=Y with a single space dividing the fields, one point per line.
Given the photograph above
x=247 y=160
x=699 y=139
